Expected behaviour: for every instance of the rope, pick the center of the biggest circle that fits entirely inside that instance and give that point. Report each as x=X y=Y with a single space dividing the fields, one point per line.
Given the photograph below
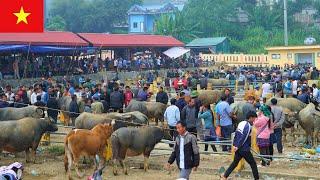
x=118 y=120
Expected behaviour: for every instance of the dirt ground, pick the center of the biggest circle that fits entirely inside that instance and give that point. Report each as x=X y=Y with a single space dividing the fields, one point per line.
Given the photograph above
x=49 y=166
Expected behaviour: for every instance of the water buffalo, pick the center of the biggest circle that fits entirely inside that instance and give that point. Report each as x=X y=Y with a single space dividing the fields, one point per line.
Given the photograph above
x=240 y=109
x=209 y=96
x=156 y=111
x=309 y=119
x=88 y=120
x=137 y=106
x=290 y=122
x=293 y=104
x=11 y=113
x=151 y=109
x=133 y=142
x=80 y=142
x=219 y=82
x=23 y=134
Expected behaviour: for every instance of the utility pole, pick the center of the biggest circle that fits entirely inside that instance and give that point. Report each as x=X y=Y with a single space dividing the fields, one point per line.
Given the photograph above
x=285 y=4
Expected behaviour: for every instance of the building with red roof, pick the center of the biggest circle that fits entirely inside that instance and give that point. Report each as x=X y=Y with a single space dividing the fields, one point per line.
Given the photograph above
x=50 y=38
x=130 y=40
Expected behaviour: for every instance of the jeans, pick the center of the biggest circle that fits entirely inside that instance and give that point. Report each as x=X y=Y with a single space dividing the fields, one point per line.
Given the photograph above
x=250 y=160
x=185 y=173
x=278 y=135
x=226 y=132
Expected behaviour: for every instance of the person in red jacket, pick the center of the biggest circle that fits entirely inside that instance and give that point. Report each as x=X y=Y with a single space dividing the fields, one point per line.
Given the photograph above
x=128 y=96
x=185 y=82
x=175 y=84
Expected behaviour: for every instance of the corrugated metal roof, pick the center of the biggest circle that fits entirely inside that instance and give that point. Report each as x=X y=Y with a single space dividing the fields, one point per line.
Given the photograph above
x=206 y=42
x=54 y=38
x=130 y=40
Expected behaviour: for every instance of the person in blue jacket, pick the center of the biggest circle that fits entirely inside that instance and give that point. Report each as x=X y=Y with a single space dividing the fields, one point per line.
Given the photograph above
x=242 y=146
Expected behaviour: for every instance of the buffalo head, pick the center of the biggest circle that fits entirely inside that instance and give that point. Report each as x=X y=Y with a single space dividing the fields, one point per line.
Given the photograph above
x=38 y=113
x=50 y=124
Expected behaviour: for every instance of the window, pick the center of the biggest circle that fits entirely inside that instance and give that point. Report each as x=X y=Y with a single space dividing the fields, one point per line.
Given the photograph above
x=275 y=56
x=135 y=25
x=318 y=54
x=289 y=55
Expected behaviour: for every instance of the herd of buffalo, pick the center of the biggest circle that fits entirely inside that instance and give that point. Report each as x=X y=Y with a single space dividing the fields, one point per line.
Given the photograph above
x=22 y=128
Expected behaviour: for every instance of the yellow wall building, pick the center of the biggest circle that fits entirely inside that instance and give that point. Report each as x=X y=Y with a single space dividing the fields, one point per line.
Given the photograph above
x=282 y=56
x=256 y=60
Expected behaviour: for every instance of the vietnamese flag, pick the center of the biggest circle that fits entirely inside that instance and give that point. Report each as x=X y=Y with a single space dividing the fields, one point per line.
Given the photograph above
x=21 y=15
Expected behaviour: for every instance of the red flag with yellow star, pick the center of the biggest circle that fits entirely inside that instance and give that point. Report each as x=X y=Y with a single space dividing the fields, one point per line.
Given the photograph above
x=21 y=15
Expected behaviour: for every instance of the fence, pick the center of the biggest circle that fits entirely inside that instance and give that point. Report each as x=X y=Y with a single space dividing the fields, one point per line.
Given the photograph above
x=223 y=142
x=257 y=60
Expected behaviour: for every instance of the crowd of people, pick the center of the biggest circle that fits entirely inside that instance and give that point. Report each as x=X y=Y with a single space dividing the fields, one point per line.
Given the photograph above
x=188 y=120
x=34 y=66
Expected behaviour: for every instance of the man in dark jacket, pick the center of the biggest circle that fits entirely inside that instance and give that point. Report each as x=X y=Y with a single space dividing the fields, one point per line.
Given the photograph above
x=52 y=106
x=185 y=152
x=74 y=109
x=162 y=96
x=304 y=96
x=190 y=116
x=116 y=100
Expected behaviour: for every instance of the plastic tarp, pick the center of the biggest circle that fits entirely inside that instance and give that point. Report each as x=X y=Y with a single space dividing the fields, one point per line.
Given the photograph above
x=13 y=48
x=45 y=49
x=176 y=52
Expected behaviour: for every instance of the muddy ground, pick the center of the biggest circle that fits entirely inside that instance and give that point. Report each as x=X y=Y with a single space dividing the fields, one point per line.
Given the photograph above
x=49 y=166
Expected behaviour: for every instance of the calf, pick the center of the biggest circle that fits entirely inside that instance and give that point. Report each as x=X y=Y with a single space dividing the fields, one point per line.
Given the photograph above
x=82 y=142
x=133 y=142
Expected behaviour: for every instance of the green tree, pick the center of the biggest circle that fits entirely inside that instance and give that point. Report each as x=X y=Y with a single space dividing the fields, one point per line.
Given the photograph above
x=92 y=16
x=175 y=25
x=266 y=18
x=56 y=23
x=213 y=16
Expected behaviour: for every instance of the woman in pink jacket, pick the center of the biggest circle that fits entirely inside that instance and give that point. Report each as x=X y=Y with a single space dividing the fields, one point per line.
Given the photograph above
x=263 y=125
